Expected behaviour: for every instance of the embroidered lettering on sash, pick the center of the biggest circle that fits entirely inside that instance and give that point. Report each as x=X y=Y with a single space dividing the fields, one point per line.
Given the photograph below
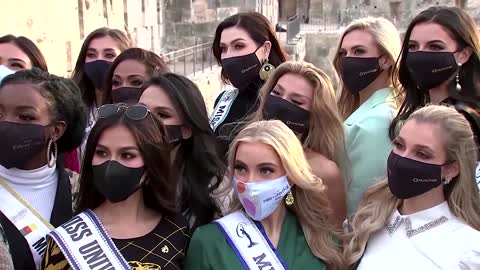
x=223 y=108
x=249 y=244
x=86 y=245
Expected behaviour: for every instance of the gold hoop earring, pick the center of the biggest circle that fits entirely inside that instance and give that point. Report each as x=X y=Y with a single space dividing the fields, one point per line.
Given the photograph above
x=267 y=70
x=52 y=157
x=289 y=200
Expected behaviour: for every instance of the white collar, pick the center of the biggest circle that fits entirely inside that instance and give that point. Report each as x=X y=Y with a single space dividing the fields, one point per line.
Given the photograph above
x=36 y=179
x=420 y=221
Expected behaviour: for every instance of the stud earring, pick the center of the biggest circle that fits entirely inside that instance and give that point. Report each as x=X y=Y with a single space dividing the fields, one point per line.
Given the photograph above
x=447 y=180
x=267 y=70
x=458 y=86
x=289 y=200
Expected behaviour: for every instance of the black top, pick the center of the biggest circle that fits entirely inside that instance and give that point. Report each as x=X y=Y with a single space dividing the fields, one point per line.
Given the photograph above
x=244 y=104
x=61 y=213
x=162 y=248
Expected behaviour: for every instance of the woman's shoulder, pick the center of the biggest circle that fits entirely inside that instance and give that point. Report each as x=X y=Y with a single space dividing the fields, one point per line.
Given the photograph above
x=208 y=232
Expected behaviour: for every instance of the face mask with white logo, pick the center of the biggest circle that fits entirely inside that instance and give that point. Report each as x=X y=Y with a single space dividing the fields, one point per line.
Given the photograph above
x=262 y=198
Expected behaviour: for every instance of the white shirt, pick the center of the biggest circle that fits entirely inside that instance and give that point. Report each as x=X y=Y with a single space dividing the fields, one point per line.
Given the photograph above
x=449 y=245
x=38 y=187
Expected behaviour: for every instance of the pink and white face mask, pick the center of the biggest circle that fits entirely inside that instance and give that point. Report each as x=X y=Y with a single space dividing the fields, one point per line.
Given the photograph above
x=262 y=198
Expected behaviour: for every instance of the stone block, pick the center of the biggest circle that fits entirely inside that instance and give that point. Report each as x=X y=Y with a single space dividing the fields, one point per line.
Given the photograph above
x=223 y=13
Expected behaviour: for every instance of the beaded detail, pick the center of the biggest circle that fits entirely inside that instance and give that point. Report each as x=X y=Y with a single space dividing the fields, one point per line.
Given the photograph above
x=412 y=232
x=391 y=228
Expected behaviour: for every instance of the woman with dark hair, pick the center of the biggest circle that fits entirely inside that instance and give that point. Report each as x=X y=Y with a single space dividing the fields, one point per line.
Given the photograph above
x=98 y=51
x=440 y=64
x=126 y=201
x=41 y=116
x=247 y=48
x=128 y=73
x=180 y=106
x=20 y=53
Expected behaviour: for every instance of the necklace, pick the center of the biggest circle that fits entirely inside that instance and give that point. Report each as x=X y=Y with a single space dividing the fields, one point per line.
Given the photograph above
x=391 y=228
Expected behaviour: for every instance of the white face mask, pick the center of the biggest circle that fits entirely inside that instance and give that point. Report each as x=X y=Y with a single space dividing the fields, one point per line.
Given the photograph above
x=4 y=72
x=261 y=199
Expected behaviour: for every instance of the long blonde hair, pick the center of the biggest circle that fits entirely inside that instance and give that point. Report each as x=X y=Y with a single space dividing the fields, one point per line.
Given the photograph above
x=311 y=205
x=326 y=134
x=462 y=193
x=388 y=41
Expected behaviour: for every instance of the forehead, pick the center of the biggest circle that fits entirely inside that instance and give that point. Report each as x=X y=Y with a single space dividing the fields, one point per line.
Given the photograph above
x=130 y=67
x=421 y=133
x=10 y=50
x=23 y=94
x=155 y=96
x=295 y=84
x=358 y=37
x=102 y=43
x=232 y=33
x=425 y=32
x=256 y=152
x=117 y=136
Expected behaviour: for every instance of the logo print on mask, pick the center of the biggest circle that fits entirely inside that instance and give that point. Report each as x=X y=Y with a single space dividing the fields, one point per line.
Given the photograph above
x=241 y=232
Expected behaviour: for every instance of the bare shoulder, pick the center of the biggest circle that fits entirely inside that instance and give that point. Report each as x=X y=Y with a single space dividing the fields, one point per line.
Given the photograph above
x=323 y=167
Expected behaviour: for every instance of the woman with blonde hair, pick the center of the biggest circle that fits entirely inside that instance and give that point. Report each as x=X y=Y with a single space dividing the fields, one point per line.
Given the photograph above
x=365 y=64
x=279 y=217
x=302 y=97
x=428 y=209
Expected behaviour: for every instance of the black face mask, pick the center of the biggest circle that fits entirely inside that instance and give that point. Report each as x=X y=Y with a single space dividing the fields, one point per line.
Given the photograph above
x=128 y=95
x=20 y=143
x=115 y=181
x=96 y=71
x=174 y=134
x=242 y=70
x=359 y=72
x=408 y=178
x=430 y=69
x=296 y=118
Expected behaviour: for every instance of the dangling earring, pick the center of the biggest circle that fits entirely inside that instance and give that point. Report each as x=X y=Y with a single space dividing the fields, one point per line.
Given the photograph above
x=447 y=181
x=267 y=70
x=458 y=86
x=289 y=200
x=52 y=157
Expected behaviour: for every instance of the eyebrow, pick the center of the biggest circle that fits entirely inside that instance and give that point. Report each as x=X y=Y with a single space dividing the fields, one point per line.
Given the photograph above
x=109 y=50
x=16 y=59
x=163 y=108
x=233 y=41
x=26 y=107
x=421 y=146
x=135 y=75
x=358 y=47
x=266 y=164
x=126 y=148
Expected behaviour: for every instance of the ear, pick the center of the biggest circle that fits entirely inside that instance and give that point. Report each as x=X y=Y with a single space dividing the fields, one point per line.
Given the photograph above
x=450 y=171
x=58 y=130
x=463 y=55
x=385 y=62
x=186 y=132
x=267 y=47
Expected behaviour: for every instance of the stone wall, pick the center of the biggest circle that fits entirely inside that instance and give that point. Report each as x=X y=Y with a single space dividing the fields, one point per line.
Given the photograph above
x=320 y=50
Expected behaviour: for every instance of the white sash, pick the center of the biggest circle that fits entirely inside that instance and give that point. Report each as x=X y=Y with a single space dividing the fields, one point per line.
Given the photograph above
x=26 y=219
x=252 y=248
x=223 y=107
x=86 y=244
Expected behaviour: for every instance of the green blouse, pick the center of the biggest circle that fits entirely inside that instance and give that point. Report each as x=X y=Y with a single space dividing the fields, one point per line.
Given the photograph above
x=210 y=250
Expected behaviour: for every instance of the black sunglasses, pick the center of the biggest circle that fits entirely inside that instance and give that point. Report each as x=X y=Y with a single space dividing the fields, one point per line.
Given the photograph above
x=133 y=112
